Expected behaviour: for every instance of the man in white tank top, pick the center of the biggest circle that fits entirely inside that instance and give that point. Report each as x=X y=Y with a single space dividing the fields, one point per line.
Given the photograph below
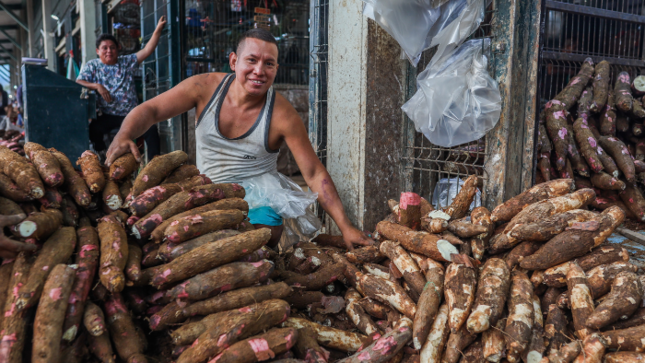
x=240 y=128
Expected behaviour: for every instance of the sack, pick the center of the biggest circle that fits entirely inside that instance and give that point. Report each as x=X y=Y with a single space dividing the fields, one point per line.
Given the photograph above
x=456 y=100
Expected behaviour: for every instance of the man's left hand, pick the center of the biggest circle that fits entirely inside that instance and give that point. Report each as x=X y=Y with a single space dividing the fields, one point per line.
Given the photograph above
x=353 y=236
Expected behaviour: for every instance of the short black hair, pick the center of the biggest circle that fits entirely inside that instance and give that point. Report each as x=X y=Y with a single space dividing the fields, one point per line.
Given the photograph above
x=104 y=37
x=256 y=33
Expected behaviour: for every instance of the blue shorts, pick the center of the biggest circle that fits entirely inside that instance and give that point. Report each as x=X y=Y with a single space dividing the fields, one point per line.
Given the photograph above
x=265 y=215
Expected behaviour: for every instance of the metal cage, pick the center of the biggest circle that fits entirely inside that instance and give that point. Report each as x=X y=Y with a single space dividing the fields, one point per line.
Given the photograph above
x=212 y=28
x=610 y=30
x=425 y=164
x=318 y=66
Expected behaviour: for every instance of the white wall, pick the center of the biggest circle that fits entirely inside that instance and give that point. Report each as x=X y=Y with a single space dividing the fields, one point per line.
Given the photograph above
x=346 y=104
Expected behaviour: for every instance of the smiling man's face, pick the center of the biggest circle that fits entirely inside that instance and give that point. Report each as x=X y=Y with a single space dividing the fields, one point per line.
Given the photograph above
x=255 y=65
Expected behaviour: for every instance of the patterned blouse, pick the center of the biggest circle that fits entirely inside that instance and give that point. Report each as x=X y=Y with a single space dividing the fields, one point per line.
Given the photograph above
x=118 y=79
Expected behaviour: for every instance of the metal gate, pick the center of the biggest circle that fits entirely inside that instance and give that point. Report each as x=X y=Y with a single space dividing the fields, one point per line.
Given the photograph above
x=160 y=71
x=318 y=48
x=611 y=30
x=503 y=159
x=212 y=28
x=425 y=164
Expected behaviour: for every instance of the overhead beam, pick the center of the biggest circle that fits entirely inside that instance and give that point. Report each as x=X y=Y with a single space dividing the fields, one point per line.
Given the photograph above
x=14 y=16
x=8 y=52
x=10 y=38
x=9 y=27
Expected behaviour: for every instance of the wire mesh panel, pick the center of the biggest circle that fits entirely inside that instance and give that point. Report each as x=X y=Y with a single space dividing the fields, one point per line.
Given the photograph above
x=425 y=164
x=610 y=30
x=213 y=27
x=318 y=67
x=159 y=72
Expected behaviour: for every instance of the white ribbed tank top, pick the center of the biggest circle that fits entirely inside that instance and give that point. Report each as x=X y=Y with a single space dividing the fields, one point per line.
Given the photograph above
x=226 y=160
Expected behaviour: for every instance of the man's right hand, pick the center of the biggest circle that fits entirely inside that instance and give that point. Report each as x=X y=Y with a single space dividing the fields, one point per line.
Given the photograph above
x=104 y=93
x=120 y=146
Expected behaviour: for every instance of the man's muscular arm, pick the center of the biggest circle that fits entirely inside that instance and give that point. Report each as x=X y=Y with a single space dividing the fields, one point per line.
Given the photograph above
x=171 y=103
x=292 y=129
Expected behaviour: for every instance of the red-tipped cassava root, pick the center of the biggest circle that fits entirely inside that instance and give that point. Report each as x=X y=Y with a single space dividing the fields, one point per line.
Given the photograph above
x=231 y=276
x=92 y=171
x=22 y=173
x=575 y=242
x=433 y=346
x=94 y=319
x=57 y=249
x=405 y=264
x=520 y=319
x=260 y=347
x=182 y=173
x=74 y=184
x=169 y=251
x=460 y=283
x=428 y=304
x=123 y=167
x=128 y=343
x=233 y=326
x=427 y=244
x=184 y=201
x=600 y=87
x=537 y=211
x=492 y=289
x=87 y=257
x=623 y=300
x=385 y=347
x=461 y=204
x=344 y=341
x=547 y=228
x=556 y=276
x=209 y=256
x=224 y=204
x=39 y=225
x=46 y=164
x=148 y=200
x=48 y=324
x=157 y=170
x=114 y=253
x=199 y=224
x=622 y=92
x=556 y=111
x=357 y=315
x=581 y=299
x=14 y=320
x=619 y=152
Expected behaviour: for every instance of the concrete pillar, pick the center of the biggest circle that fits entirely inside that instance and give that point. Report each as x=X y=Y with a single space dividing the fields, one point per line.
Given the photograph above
x=366 y=88
x=48 y=41
x=88 y=27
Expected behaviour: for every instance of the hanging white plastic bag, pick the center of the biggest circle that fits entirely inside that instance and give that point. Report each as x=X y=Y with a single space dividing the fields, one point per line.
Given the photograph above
x=456 y=100
x=288 y=200
x=446 y=190
x=414 y=23
x=454 y=27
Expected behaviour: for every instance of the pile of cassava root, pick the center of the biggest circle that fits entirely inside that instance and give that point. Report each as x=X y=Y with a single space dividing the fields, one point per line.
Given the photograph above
x=165 y=267
x=594 y=133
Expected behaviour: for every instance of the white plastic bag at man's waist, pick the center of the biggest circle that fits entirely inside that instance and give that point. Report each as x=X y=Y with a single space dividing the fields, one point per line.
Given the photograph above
x=280 y=193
